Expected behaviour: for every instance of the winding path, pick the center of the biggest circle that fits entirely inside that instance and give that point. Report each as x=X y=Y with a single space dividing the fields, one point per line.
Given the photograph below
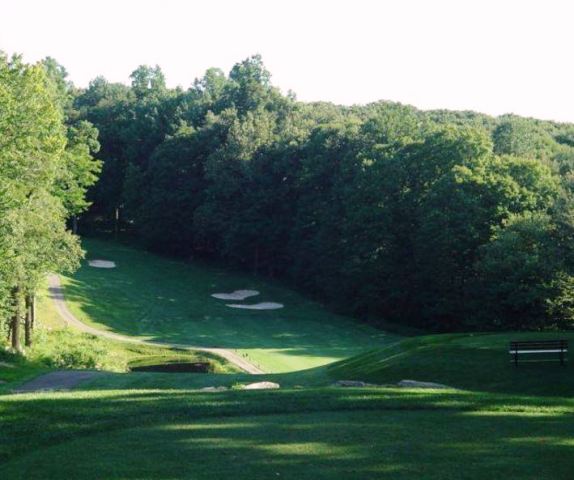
x=57 y=294
x=58 y=380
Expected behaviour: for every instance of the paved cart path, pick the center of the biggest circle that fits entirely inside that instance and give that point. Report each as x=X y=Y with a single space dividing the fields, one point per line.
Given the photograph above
x=60 y=380
x=57 y=294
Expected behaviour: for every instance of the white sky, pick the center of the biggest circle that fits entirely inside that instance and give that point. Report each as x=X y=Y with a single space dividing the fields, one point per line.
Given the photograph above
x=491 y=56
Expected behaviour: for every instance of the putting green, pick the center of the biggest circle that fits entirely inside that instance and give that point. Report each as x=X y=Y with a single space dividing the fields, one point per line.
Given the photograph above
x=161 y=299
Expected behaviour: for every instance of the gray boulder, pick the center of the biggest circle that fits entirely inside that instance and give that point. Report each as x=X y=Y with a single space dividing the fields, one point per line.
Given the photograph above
x=213 y=389
x=417 y=384
x=353 y=383
x=261 y=386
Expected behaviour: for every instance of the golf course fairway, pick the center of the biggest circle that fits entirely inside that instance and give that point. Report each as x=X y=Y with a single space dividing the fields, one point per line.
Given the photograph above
x=164 y=300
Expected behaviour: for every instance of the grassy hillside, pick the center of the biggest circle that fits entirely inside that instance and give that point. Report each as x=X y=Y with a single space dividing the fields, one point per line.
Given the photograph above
x=478 y=362
x=502 y=420
x=310 y=433
x=517 y=422
x=155 y=298
x=56 y=346
x=472 y=362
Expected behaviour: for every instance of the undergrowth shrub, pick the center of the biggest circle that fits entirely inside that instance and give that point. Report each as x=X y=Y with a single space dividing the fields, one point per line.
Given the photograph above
x=68 y=349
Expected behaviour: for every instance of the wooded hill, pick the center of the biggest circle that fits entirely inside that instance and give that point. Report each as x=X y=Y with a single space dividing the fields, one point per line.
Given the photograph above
x=438 y=219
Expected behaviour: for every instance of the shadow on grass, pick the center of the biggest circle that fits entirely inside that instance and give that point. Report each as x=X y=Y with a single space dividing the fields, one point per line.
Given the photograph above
x=168 y=301
x=168 y=323
x=312 y=434
x=460 y=363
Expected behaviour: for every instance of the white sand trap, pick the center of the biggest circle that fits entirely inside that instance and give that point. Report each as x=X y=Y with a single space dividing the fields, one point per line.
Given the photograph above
x=258 y=306
x=102 y=263
x=236 y=295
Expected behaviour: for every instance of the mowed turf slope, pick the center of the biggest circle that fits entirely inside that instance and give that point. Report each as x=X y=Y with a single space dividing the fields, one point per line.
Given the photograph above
x=504 y=421
x=471 y=362
x=310 y=434
x=160 y=299
x=479 y=362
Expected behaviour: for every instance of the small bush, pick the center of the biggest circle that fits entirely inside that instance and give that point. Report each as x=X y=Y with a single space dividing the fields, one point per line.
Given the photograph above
x=68 y=349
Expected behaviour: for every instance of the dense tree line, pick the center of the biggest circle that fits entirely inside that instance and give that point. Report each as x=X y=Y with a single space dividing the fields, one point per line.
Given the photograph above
x=445 y=220
x=46 y=167
x=438 y=219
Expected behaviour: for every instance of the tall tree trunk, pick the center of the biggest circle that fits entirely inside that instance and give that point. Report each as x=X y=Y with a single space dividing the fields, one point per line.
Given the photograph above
x=28 y=321
x=33 y=310
x=16 y=345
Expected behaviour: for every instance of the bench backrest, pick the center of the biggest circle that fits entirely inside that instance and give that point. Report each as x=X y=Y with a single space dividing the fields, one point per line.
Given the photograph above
x=539 y=345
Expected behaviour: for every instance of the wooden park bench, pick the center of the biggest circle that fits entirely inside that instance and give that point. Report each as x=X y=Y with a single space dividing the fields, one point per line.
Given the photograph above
x=539 y=347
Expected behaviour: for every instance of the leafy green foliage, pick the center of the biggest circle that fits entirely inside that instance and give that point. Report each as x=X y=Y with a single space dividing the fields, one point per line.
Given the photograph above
x=382 y=210
x=524 y=275
x=44 y=175
x=74 y=351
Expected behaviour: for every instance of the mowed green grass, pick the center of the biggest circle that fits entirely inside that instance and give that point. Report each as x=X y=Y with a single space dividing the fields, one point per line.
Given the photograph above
x=477 y=363
x=55 y=343
x=502 y=421
x=160 y=299
x=326 y=433
x=498 y=421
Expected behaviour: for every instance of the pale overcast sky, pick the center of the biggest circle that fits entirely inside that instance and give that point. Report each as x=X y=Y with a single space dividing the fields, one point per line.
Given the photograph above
x=490 y=56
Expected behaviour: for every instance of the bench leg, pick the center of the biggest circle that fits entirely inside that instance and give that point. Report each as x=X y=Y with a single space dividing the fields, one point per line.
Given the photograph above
x=516 y=359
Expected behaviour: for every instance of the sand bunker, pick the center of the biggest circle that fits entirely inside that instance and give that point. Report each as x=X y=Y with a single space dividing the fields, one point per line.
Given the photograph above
x=258 y=306
x=102 y=263
x=236 y=295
